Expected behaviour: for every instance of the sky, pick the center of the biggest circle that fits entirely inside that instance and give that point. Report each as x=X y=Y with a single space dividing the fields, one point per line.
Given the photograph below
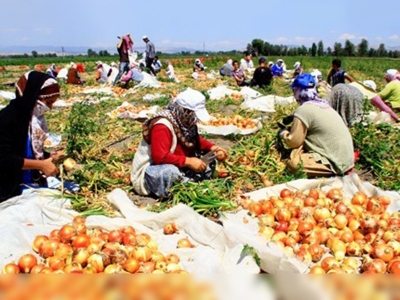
x=212 y=24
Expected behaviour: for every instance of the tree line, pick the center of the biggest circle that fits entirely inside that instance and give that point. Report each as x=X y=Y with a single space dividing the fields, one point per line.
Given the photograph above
x=317 y=49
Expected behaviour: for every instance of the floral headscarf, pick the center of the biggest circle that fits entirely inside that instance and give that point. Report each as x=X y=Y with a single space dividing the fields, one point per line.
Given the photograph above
x=183 y=120
x=308 y=95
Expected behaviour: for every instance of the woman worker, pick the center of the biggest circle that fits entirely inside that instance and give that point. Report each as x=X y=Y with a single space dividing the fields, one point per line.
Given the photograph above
x=171 y=147
x=23 y=131
x=321 y=142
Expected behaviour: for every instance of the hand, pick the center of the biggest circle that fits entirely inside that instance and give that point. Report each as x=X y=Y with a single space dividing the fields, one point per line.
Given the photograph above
x=287 y=120
x=282 y=132
x=48 y=168
x=57 y=155
x=195 y=164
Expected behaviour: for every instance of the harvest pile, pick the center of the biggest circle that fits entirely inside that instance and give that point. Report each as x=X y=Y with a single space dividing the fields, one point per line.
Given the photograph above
x=331 y=233
x=75 y=249
x=237 y=120
x=128 y=108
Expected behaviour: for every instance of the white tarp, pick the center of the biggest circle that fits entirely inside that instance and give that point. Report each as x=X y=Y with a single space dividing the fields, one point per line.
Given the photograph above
x=249 y=93
x=63 y=73
x=266 y=103
x=99 y=90
x=220 y=92
x=366 y=91
x=146 y=113
x=70 y=102
x=229 y=129
x=149 y=82
x=7 y=95
x=152 y=97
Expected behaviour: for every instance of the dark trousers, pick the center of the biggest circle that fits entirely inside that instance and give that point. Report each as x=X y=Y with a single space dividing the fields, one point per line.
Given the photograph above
x=149 y=65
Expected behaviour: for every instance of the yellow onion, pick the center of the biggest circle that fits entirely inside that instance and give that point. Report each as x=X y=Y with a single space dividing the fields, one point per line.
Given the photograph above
x=172 y=258
x=172 y=268
x=157 y=256
x=96 y=261
x=113 y=269
x=12 y=268
x=317 y=270
x=316 y=252
x=329 y=262
x=27 y=262
x=353 y=249
x=351 y=262
x=74 y=267
x=383 y=252
x=185 y=243
x=38 y=241
x=338 y=248
x=340 y=221
x=160 y=265
x=56 y=263
x=170 y=228
x=142 y=254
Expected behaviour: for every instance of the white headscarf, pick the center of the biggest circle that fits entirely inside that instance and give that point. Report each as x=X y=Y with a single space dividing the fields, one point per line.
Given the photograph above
x=308 y=95
x=392 y=74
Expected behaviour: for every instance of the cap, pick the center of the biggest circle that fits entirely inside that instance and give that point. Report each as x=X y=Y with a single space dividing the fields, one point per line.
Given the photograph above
x=99 y=62
x=391 y=72
x=304 y=81
x=370 y=83
x=297 y=64
x=262 y=59
x=270 y=63
x=145 y=37
x=195 y=101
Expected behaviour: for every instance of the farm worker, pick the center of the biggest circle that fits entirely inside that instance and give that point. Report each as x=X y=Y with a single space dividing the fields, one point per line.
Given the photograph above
x=157 y=64
x=112 y=73
x=348 y=101
x=270 y=64
x=134 y=74
x=337 y=74
x=52 y=71
x=198 y=66
x=277 y=68
x=389 y=98
x=73 y=76
x=226 y=69
x=238 y=75
x=171 y=72
x=23 y=131
x=246 y=63
x=124 y=45
x=171 y=147
x=262 y=75
x=322 y=144
x=102 y=73
x=150 y=54
x=298 y=69
x=323 y=88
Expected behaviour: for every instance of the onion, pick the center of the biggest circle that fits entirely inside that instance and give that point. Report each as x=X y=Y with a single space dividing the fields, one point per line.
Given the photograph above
x=38 y=241
x=266 y=232
x=316 y=252
x=11 y=268
x=340 y=221
x=304 y=256
x=383 y=252
x=384 y=200
x=81 y=257
x=267 y=219
x=78 y=220
x=394 y=267
x=143 y=239
x=347 y=237
x=48 y=248
x=113 y=269
x=341 y=208
x=334 y=194
x=278 y=236
x=93 y=248
x=172 y=268
x=69 y=164
x=317 y=270
x=89 y=270
x=369 y=225
x=323 y=235
x=351 y=262
x=46 y=270
x=313 y=193
x=328 y=263
x=81 y=241
x=321 y=214
x=96 y=261
x=305 y=227
x=54 y=234
x=170 y=228
x=172 y=258
x=288 y=200
x=147 y=267
x=354 y=225
x=338 y=248
x=115 y=236
x=185 y=243
x=283 y=215
x=128 y=229
x=395 y=246
x=64 y=251
x=353 y=249
x=129 y=239
x=266 y=206
x=157 y=256
x=374 y=206
x=376 y=266
x=27 y=262
x=293 y=224
x=285 y=193
x=161 y=265
x=359 y=198
x=295 y=235
x=67 y=232
x=56 y=263
x=142 y=254
x=290 y=242
x=256 y=209
x=37 y=269
x=281 y=226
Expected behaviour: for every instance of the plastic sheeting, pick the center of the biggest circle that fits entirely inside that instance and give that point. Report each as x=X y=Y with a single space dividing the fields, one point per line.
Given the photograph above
x=143 y=114
x=228 y=129
x=220 y=92
x=266 y=103
x=7 y=95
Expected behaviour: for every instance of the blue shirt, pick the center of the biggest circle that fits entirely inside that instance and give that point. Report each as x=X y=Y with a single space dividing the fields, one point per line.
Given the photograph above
x=276 y=70
x=136 y=75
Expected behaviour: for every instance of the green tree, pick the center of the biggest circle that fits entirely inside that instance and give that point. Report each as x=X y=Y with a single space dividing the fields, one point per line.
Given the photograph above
x=258 y=46
x=314 y=50
x=34 y=53
x=349 y=48
x=329 y=51
x=337 y=49
x=320 y=50
x=91 y=53
x=362 y=48
x=104 y=53
x=382 y=50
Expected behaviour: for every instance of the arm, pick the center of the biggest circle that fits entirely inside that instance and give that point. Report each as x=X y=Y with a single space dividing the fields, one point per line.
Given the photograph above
x=297 y=135
x=205 y=145
x=121 y=40
x=348 y=77
x=329 y=79
x=46 y=166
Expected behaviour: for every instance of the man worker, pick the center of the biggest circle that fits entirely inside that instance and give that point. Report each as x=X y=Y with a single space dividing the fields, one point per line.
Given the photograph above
x=150 y=54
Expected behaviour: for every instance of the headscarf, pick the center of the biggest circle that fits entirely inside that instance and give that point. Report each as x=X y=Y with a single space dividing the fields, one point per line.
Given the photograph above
x=392 y=74
x=230 y=61
x=31 y=88
x=183 y=120
x=127 y=44
x=308 y=95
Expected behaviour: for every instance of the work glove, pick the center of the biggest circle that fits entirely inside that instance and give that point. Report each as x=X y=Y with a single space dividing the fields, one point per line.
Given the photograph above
x=287 y=120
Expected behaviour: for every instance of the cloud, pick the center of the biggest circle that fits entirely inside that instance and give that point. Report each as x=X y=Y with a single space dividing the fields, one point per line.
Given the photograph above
x=281 y=39
x=11 y=29
x=167 y=41
x=45 y=31
x=347 y=36
x=394 y=37
x=304 y=39
x=379 y=38
x=26 y=38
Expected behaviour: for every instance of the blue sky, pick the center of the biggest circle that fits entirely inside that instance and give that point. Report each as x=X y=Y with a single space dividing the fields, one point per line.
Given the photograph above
x=220 y=24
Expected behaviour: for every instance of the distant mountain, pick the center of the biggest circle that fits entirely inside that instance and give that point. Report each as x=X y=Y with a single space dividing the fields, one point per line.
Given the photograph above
x=4 y=50
x=393 y=48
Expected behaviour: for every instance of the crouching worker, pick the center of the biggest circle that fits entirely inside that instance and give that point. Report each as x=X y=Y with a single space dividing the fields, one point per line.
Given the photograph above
x=321 y=142
x=171 y=147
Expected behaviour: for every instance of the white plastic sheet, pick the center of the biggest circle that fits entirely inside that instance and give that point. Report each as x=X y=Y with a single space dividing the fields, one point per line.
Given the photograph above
x=99 y=90
x=33 y=213
x=70 y=102
x=149 y=82
x=249 y=93
x=7 y=95
x=152 y=97
x=220 y=92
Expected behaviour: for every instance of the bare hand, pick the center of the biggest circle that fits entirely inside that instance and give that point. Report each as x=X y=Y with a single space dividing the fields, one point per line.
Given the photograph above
x=57 y=155
x=195 y=164
x=48 y=168
x=220 y=153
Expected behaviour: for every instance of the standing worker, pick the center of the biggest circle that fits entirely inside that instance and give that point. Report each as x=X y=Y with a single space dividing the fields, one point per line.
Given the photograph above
x=125 y=44
x=150 y=54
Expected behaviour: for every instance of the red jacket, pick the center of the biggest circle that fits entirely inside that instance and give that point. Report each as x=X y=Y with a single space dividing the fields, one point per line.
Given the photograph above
x=161 y=141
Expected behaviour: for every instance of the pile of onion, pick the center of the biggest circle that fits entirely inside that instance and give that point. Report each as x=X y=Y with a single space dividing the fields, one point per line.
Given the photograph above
x=75 y=249
x=332 y=233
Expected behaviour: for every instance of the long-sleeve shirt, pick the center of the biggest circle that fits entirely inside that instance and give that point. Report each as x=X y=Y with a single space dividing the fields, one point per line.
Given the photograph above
x=161 y=141
x=150 y=50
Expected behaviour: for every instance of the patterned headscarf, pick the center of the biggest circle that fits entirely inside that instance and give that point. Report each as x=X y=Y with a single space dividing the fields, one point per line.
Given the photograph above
x=308 y=95
x=38 y=130
x=183 y=120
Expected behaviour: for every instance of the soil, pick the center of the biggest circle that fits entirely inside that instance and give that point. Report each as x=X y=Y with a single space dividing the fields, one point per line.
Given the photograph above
x=221 y=142
x=365 y=175
x=142 y=201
